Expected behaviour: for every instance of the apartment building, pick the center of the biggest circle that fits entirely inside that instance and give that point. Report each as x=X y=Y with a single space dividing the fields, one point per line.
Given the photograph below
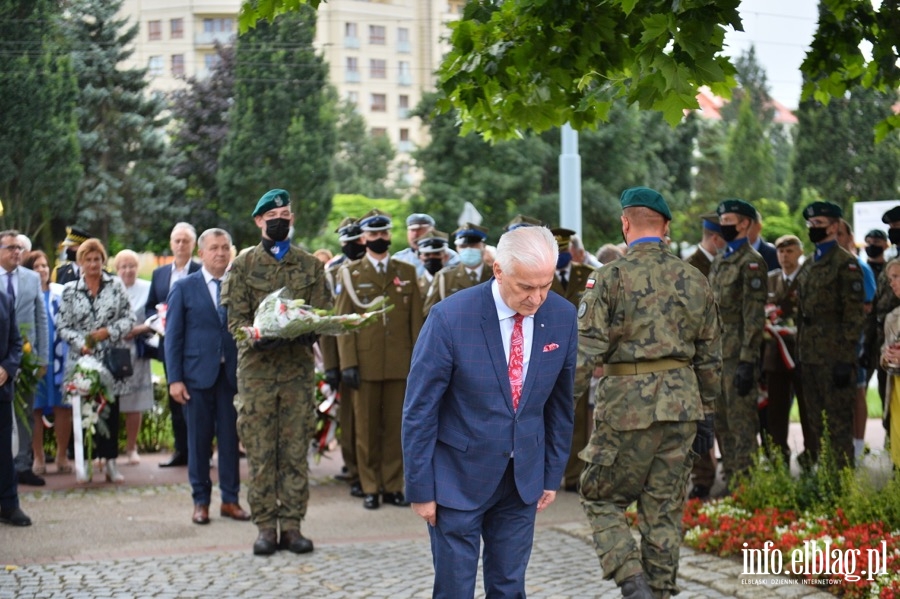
x=382 y=53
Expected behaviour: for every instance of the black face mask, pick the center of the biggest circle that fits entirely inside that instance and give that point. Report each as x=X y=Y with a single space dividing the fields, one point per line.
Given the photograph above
x=874 y=251
x=894 y=236
x=378 y=246
x=71 y=254
x=277 y=229
x=729 y=232
x=817 y=234
x=353 y=250
x=433 y=265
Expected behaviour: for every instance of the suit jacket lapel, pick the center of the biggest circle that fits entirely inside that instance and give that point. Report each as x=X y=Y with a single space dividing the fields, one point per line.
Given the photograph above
x=490 y=324
x=538 y=340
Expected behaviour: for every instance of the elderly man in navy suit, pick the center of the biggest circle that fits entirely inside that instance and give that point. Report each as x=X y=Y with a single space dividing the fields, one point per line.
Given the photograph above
x=10 y=358
x=181 y=241
x=488 y=416
x=201 y=359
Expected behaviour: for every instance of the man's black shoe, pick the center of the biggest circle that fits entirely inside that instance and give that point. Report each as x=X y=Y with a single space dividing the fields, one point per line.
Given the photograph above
x=699 y=492
x=27 y=477
x=14 y=516
x=178 y=459
x=370 y=502
x=394 y=499
x=356 y=489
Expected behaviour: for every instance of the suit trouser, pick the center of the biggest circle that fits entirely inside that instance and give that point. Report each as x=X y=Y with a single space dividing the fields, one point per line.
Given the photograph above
x=348 y=430
x=25 y=455
x=179 y=425
x=580 y=436
x=378 y=414
x=507 y=525
x=210 y=412
x=782 y=386
x=9 y=496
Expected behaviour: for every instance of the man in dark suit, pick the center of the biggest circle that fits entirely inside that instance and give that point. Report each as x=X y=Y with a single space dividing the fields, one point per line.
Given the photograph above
x=765 y=249
x=487 y=420
x=182 y=241
x=202 y=374
x=10 y=358
x=711 y=243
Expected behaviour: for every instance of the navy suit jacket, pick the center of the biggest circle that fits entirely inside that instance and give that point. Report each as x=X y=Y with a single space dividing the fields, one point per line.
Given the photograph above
x=770 y=254
x=10 y=348
x=196 y=339
x=459 y=428
x=160 y=286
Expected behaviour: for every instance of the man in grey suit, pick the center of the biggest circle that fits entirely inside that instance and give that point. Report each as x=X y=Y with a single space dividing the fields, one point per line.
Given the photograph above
x=23 y=287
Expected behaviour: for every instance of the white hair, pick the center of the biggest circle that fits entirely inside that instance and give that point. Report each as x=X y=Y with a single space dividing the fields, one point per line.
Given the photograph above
x=530 y=247
x=25 y=242
x=185 y=227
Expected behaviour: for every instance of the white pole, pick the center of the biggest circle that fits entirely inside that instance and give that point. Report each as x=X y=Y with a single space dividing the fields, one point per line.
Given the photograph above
x=570 y=181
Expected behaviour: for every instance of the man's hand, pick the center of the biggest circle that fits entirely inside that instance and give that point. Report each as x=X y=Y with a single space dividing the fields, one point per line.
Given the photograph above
x=706 y=434
x=743 y=378
x=545 y=500
x=842 y=375
x=333 y=378
x=179 y=393
x=4 y=376
x=307 y=339
x=350 y=376
x=428 y=511
x=267 y=344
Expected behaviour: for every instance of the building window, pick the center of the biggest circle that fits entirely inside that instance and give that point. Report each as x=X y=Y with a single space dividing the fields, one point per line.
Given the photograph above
x=405 y=145
x=225 y=25
x=178 y=65
x=176 y=29
x=154 y=30
x=379 y=103
x=378 y=131
x=377 y=68
x=352 y=75
x=353 y=99
x=377 y=35
x=403 y=44
x=351 y=36
x=404 y=74
x=211 y=61
x=155 y=65
x=403 y=106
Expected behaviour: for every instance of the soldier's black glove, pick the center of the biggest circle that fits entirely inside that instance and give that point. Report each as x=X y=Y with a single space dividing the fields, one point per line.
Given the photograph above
x=350 y=376
x=842 y=375
x=307 y=339
x=268 y=344
x=333 y=378
x=743 y=378
x=706 y=435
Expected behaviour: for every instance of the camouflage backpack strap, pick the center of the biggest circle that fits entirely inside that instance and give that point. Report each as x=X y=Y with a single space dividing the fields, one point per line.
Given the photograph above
x=351 y=291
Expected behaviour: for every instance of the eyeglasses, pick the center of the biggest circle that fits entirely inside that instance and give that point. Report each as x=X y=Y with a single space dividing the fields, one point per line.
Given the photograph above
x=13 y=248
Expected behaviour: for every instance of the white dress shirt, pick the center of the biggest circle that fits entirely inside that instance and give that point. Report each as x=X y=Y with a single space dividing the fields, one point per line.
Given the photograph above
x=505 y=314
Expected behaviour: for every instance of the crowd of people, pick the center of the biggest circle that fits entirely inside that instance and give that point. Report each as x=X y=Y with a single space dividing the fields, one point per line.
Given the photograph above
x=723 y=343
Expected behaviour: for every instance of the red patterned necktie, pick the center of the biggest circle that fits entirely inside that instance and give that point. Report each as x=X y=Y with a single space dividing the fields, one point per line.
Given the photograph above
x=516 y=356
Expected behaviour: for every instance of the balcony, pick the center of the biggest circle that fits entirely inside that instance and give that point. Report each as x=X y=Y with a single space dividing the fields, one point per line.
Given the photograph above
x=404 y=47
x=352 y=77
x=209 y=38
x=351 y=42
x=403 y=112
x=405 y=146
x=404 y=79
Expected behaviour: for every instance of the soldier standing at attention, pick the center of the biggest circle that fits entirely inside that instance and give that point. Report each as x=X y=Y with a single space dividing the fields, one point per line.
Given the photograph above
x=433 y=256
x=651 y=320
x=375 y=359
x=830 y=307
x=739 y=281
x=276 y=395
x=569 y=282
x=469 y=241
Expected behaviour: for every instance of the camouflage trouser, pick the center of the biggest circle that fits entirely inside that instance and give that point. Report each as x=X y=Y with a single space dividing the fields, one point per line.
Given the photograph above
x=737 y=424
x=650 y=466
x=819 y=393
x=276 y=422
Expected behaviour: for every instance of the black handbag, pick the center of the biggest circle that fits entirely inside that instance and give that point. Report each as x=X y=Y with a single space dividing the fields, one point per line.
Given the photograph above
x=118 y=362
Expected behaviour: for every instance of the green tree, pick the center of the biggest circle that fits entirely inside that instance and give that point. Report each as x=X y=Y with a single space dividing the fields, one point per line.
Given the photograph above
x=362 y=161
x=281 y=127
x=836 y=154
x=750 y=164
x=39 y=151
x=126 y=188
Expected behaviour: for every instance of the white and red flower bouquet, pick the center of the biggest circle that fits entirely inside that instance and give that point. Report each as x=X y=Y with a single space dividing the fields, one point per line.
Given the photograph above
x=88 y=388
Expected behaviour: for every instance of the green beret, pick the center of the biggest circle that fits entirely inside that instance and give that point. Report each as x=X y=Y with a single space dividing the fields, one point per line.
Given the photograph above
x=647 y=198
x=877 y=234
x=275 y=198
x=891 y=216
x=736 y=206
x=823 y=209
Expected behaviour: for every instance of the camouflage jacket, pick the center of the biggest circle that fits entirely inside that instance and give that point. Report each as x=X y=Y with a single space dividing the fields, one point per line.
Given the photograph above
x=254 y=275
x=650 y=305
x=830 y=308
x=739 y=282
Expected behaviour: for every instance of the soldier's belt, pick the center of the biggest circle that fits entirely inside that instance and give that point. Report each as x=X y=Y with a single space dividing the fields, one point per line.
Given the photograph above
x=633 y=368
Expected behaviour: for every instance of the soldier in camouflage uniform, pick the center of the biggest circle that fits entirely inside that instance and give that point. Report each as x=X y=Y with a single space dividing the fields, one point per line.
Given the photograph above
x=738 y=278
x=830 y=321
x=352 y=248
x=276 y=379
x=651 y=319
x=375 y=360
x=569 y=282
x=469 y=240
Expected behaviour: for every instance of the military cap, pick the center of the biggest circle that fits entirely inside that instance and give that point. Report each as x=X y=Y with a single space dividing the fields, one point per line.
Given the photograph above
x=736 y=206
x=788 y=240
x=828 y=209
x=375 y=220
x=711 y=222
x=415 y=221
x=274 y=198
x=75 y=236
x=348 y=230
x=436 y=241
x=469 y=233
x=520 y=220
x=646 y=198
x=562 y=237
x=891 y=216
x=877 y=234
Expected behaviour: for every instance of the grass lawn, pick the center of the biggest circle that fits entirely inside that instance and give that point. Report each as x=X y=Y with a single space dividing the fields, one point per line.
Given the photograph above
x=873 y=400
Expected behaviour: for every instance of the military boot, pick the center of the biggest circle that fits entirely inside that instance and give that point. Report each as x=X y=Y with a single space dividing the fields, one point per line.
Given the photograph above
x=636 y=587
x=266 y=543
